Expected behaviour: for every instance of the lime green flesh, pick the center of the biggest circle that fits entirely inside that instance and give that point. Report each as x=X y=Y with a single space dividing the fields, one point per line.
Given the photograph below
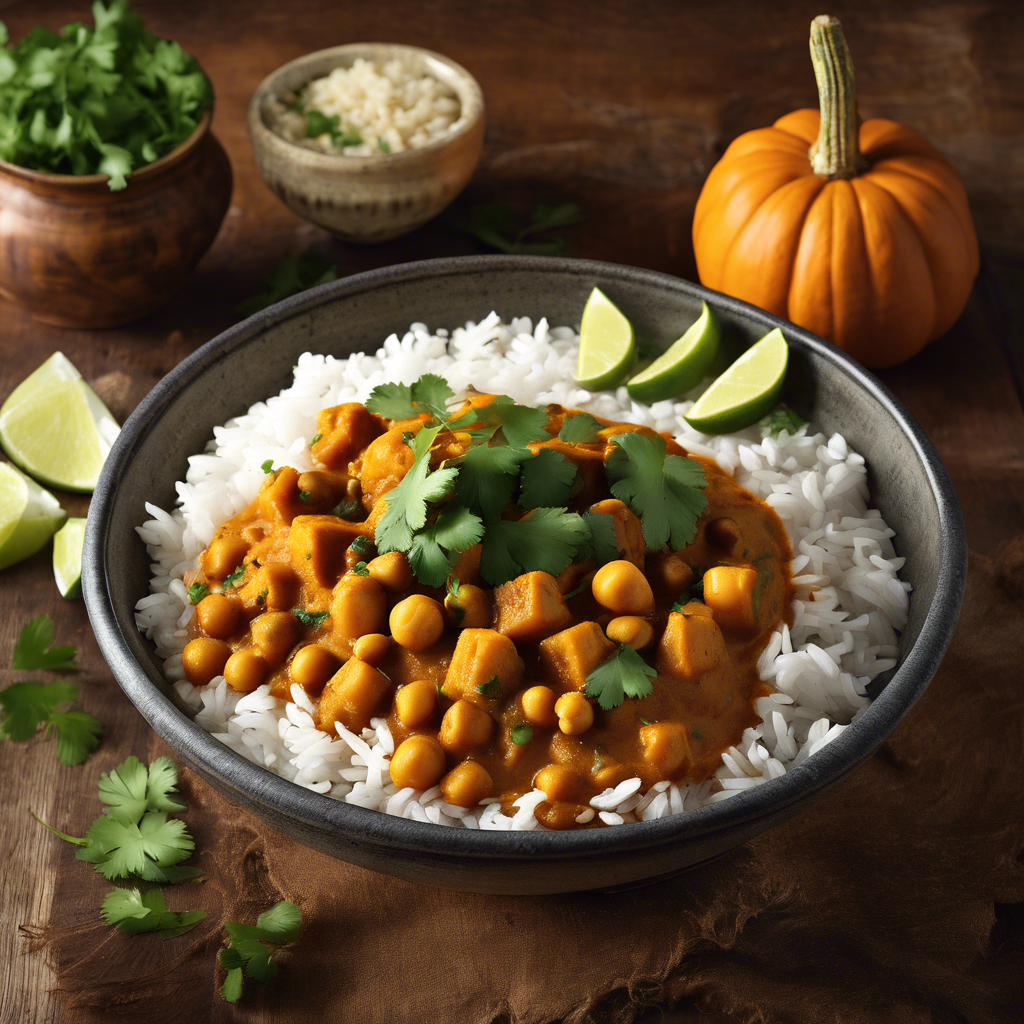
x=746 y=391
x=683 y=366
x=607 y=347
x=67 y=558
x=28 y=516
x=55 y=427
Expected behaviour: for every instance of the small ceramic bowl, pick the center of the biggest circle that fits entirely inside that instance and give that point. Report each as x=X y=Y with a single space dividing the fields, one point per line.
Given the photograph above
x=76 y=254
x=368 y=198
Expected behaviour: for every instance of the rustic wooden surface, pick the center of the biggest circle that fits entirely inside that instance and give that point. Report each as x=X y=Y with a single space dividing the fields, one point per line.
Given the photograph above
x=620 y=106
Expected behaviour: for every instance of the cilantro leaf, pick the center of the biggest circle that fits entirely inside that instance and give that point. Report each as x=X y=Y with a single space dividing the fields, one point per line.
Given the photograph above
x=26 y=706
x=433 y=393
x=197 y=592
x=665 y=492
x=520 y=424
x=581 y=428
x=491 y=688
x=119 y=849
x=360 y=569
x=78 y=735
x=231 y=990
x=130 y=789
x=407 y=502
x=602 y=543
x=290 y=277
x=281 y=923
x=392 y=401
x=545 y=540
x=783 y=419
x=435 y=548
x=232 y=578
x=546 y=480
x=361 y=544
x=521 y=734
x=34 y=648
x=312 y=619
x=135 y=913
x=624 y=674
x=248 y=953
x=487 y=478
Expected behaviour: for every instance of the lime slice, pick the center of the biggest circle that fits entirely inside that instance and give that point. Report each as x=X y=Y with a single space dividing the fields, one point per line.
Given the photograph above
x=55 y=427
x=746 y=391
x=607 y=348
x=67 y=558
x=28 y=516
x=683 y=366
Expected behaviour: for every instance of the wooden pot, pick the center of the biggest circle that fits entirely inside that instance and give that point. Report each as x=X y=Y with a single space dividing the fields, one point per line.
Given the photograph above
x=75 y=254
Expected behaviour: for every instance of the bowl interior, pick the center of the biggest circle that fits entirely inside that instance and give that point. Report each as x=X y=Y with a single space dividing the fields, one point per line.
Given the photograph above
x=254 y=360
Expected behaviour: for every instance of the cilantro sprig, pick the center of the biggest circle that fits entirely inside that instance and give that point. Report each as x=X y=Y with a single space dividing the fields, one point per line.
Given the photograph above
x=101 y=100
x=34 y=649
x=249 y=953
x=135 y=913
x=624 y=674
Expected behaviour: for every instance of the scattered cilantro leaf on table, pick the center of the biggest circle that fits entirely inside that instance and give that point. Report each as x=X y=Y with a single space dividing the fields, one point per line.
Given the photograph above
x=100 y=100
x=290 y=277
x=545 y=540
x=247 y=954
x=123 y=849
x=664 y=491
x=34 y=648
x=26 y=706
x=546 y=480
x=580 y=429
x=494 y=224
x=624 y=674
x=131 y=789
x=784 y=419
x=135 y=913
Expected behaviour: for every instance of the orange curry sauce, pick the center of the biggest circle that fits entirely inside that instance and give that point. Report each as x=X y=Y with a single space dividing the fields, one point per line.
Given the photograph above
x=478 y=697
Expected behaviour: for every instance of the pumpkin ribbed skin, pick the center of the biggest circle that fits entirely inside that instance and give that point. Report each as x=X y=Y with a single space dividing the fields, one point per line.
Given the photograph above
x=880 y=264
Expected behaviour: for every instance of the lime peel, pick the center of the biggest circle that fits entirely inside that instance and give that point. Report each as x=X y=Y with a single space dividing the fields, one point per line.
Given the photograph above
x=67 y=558
x=607 y=346
x=683 y=365
x=29 y=516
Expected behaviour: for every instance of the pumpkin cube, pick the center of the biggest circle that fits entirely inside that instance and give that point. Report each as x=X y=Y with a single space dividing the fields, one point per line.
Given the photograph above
x=352 y=696
x=480 y=656
x=575 y=652
x=279 y=496
x=345 y=430
x=318 y=544
x=530 y=607
x=691 y=645
x=729 y=591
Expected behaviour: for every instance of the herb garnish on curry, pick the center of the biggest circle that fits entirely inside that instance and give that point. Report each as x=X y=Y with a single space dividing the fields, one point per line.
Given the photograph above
x=571 y=602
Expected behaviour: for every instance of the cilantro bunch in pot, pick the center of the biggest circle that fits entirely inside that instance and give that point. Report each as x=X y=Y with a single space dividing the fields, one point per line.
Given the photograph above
x=112 y=185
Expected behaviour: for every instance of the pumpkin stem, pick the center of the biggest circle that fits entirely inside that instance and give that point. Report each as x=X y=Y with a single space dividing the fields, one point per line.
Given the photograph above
x=835 y=152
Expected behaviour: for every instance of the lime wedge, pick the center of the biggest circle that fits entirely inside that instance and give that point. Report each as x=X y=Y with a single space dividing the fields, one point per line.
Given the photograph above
x=746 y=391
x=55 y=427
x=28 y=516
x=683 y=366
x=607 y=348
x=67 y=558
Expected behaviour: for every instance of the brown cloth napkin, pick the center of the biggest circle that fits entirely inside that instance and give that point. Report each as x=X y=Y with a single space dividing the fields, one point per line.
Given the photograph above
x=899 y=897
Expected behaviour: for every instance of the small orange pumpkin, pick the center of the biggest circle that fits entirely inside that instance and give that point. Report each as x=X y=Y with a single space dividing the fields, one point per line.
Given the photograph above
x=859 y=232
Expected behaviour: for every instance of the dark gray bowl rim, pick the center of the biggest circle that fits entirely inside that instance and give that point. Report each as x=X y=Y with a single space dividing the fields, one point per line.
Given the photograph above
x=257 y=785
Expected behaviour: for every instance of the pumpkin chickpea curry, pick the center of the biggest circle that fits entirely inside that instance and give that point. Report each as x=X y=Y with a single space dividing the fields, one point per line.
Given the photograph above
x=530 y=597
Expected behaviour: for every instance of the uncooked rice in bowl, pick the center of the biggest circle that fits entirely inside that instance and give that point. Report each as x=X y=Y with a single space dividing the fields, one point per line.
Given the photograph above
x=849 y=604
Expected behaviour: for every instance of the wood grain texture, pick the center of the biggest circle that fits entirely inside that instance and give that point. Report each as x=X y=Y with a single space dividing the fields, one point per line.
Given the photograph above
x=623 y=109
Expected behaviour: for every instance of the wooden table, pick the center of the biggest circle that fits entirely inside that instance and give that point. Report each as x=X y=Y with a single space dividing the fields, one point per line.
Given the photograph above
x=622 y=107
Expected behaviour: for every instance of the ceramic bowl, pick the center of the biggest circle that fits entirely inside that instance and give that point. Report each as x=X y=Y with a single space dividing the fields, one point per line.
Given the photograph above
x=254 y=360
x=368 y=198
x=76 y=254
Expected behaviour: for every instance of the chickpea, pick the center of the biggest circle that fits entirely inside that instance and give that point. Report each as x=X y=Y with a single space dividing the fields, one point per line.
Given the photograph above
x=464 y=727
x=317 y=486
x=224 y=556
x=417 y=622
x=666 y=746
x=416 y=703
x=275 y=634
x=371 y=648
x=623 y=589
x=469 y=608
x=630 y=630
x=418 y=763
x=539 y=706
x=670 y=573
x=466 y=784
x=312 y=666
x=391 y=570
x=218 y=615
x=723 y=533
x=575 y=714
x=203 y=659
x=358 y=607
x=245 y=670
x=559 y=782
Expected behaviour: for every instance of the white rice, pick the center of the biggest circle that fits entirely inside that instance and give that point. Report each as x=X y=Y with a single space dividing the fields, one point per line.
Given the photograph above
x=391 y=104
x=849 y=604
